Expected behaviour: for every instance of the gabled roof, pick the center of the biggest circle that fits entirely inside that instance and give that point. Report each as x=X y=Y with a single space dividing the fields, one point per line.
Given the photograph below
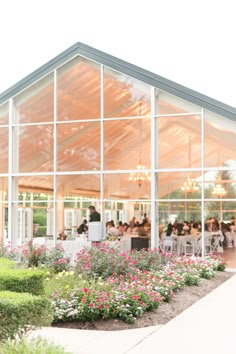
x=126 y=68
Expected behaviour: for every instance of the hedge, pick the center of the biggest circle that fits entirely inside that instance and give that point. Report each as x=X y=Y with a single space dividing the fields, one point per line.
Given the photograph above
x=22 y=281
x=6 y=263
x=20 y=310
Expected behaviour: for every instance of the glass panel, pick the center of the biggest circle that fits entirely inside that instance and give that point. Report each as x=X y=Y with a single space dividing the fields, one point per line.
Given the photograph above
x=42 y=220
x=34 y=188
x=222 y=210
x=220 y=184
x=169 y=104
x=118 y=186
x=179 y=185
x=79 y=90
x=169 y=212
x=35 y=104
x=179 y=142
x=33 y=221
x=3 y=189
x=3 y=222
x=130 y=213
x=4 y=117
x=126 y=144
x=78 y=146
x=4 y=150
x=78 y=186
x=125 y=96
x=70 y=217
x=35 y=148
x=220 y=141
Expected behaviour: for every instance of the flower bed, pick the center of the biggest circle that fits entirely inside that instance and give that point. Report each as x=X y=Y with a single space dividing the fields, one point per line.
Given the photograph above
x=108 y=284
x=104 y=283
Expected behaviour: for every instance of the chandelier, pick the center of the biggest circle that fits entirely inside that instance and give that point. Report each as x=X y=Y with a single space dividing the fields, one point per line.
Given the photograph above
x=190 y=185
x=141 y=176
x=218 y=190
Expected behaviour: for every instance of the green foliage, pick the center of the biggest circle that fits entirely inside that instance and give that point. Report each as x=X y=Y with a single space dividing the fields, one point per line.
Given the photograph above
x=17 y=311
x=22 y=281
x=191 y=278
x=6 y=263
x=40 y=217
x=34 y=346
x=41 y=231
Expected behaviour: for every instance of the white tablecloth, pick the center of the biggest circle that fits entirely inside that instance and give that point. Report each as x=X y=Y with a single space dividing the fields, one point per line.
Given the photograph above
x=72 y=247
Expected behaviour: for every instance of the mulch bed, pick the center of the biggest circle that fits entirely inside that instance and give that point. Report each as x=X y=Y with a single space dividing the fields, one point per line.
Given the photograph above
x=165 y=312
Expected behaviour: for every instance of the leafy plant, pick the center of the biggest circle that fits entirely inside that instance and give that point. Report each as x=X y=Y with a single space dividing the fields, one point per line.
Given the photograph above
x=31 y=346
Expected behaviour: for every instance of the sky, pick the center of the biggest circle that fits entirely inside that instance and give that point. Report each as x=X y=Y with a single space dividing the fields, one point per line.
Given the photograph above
x=187 y=41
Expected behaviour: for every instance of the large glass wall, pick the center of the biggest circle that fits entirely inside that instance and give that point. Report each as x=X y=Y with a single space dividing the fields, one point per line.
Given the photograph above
x=83 y=135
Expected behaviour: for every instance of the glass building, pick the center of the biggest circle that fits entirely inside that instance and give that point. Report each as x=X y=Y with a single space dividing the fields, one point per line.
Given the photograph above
x=88 y=128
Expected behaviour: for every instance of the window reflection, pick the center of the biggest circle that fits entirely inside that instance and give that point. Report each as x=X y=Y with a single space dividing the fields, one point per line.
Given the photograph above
x=4 y=150
x=125 y=96
x=79 y=90
x=35 y=148
x=78 y=146
x=35 y=104
x=4 y=115
x=179 y=142
x=220 y=141
x=169 y=104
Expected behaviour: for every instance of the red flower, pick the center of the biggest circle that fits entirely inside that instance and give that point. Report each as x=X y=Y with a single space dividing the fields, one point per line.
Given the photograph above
x=91 y=305
x=86 y=290
x=135 y=297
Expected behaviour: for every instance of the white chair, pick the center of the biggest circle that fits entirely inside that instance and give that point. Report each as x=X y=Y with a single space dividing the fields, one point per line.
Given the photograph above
x=189 y=245
x=207 y=245
x=168 y=245
x=216 y=246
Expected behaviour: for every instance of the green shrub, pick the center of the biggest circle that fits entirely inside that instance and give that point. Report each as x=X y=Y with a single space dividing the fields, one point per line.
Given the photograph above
x=17 y=311
x=34 y=346
x=6 y=263
x=22 y=281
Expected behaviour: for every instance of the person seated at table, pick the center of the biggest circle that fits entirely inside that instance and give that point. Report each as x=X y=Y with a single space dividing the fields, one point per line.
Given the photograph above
x=186 y=228
x=126 y=226
x=169 y=230
x=215 y=224
x=121 y=228
x=112 y=232
x=194 y=230
x=233 y=231
x=83 y=227
x=225 y=228
x=179 y=229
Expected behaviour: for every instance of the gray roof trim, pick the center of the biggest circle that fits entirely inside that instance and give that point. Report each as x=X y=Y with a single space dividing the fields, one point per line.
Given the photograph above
x=126 y=68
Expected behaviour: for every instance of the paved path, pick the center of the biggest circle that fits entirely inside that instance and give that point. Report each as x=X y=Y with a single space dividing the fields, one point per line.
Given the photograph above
x=207 y=327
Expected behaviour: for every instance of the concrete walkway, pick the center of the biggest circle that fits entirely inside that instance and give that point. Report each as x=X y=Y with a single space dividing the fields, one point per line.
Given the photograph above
x=207 y=327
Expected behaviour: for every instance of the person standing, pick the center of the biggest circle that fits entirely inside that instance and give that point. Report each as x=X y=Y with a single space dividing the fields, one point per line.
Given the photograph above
x=94 y=215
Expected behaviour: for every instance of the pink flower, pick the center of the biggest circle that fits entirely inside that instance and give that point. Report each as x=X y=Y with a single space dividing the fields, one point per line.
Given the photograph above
x=135 y=297
x=86 y=290
x=91 y=305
